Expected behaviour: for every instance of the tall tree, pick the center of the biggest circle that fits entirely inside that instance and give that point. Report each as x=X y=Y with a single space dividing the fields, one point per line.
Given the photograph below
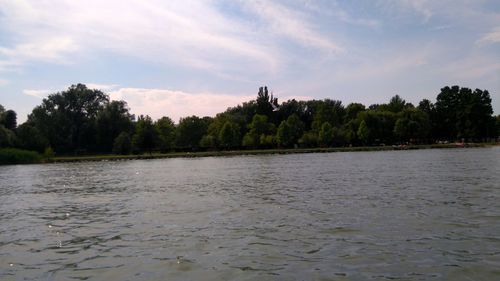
x=9 y=119
x=229 y=135
x=264 y=101
x=67 y=118
x=111 y=121
x=166 y=133
x=190 y=131
x=145 y=136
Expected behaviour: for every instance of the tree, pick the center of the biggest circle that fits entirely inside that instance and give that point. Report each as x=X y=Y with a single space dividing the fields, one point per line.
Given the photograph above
x=363 y=132
x=7 y=137
x=353 y=109
x=145 y=135
x=229 y=135
x=9 y=119
x=165 y=128
x=413 y=125
x=190 y=131
x=264 y=101
x=122 y=144
x=325 y=136
x=111 y=121
x=463 y=113
x=290 y=131
x=30 y=138
x=284 y=134
x=67 y=119
x=331 y=111
x=258 y=127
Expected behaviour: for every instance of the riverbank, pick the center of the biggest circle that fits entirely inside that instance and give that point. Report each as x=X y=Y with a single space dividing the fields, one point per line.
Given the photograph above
x=112 y=157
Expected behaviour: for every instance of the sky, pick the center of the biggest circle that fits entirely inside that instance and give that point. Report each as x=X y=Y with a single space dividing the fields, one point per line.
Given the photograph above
x=181 y=58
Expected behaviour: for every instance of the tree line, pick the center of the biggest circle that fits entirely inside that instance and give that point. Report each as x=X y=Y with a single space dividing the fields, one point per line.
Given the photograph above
x=80 y=120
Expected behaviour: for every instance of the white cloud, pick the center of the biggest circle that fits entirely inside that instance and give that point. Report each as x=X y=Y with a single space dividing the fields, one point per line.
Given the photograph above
x=51 y=49
x=175 y=104
x=4 y=82
x=37 y=93
x=292 y=24
x=102 y=87
x=190 y=33
x=490 y=37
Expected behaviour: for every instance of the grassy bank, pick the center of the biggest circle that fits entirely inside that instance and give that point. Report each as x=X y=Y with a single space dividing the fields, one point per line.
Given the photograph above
x=10 y=156
x=111 y=157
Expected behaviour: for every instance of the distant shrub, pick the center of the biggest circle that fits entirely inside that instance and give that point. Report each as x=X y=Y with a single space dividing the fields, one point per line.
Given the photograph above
x=18 y=156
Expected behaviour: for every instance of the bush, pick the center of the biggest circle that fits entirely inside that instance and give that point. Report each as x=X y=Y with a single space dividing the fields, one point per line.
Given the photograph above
x=18 y=156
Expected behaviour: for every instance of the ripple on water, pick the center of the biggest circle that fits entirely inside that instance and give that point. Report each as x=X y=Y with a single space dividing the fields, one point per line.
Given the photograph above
x=409 y=215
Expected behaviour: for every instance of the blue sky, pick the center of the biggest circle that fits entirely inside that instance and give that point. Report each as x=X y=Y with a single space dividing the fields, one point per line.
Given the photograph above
x=179 y=58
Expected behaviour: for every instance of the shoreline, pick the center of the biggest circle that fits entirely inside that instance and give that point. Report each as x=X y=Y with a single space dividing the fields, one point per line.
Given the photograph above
x=224 y=153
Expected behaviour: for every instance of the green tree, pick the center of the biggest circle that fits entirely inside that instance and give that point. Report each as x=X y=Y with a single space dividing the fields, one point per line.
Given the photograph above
x=325 y=135
x=309 y=139
x=67 y=119
x=190 y=131
x=284 y=135
x=264 y=101
x=363 y=133
x=258 y=127
x=331 y=111
x=353 y=109
x=413 y=125
x=290 y=131
x=9 y=119
x=111 y=121
x=229 y=135
x=30 y=138
x=7 y=137
x=165 y=128
x=122 y=144
x=145 y=135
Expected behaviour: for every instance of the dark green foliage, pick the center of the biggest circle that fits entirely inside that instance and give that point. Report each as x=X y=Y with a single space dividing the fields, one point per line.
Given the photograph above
x=290 y=131
x=353 y=109
x=9 y=119
x=498 y=125
x=122 y=144
x=80 y=120
x=30 y=138
x=18 y=156
x=190 y=131
x=325 y=135
x=260 y=128
x=330 y=111
x=413 y=125
x=363 y=133
x=229 y=135
x=145 y=136
x=67 y=119
x=309 y=139
x=264 y=101
x=7 y=137
x=165 y=128
x=112 y=120
x=463 y=113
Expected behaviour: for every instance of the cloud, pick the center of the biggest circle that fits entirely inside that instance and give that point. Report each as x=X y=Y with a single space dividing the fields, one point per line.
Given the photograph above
x=4 y=82
x=188 y=33
x=175 y=104
x=490 y=37
x=51 y=49
x=291 y=24
x=37 y=93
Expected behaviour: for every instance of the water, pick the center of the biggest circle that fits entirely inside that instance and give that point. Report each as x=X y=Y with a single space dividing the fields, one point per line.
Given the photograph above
x=408 y=215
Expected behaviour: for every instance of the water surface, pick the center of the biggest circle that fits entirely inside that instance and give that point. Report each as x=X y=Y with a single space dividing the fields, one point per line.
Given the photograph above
x=406 y=215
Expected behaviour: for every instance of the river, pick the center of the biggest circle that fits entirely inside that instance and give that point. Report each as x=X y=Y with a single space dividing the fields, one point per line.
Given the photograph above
x=406 y=215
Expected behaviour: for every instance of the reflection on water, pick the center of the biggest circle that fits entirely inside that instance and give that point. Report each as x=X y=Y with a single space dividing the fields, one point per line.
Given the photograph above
x=410 y=215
